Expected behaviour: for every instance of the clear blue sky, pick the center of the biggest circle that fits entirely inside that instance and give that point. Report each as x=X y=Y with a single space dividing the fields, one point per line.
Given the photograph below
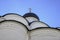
x=47 y=10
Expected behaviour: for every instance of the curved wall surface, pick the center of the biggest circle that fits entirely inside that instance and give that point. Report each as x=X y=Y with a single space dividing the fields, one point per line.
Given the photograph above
x=31 y=19
x=38 y=24
x=1 y=19
x=45 y=34
x=16 y=17
x=12 y=30
x=27 y=27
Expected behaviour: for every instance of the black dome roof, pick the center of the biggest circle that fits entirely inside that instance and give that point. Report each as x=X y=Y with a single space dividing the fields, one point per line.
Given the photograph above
x=30 y=15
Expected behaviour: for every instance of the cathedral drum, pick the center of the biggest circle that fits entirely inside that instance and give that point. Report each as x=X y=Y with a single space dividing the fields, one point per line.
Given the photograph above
x=31 y=17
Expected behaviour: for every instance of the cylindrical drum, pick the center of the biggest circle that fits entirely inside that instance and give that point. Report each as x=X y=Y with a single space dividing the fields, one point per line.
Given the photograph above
x=13 y=30
x=45 y=34
x=31 y=17
x=38 y=24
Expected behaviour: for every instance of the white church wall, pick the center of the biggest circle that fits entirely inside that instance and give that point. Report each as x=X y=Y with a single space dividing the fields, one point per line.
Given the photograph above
x=16 y=17
x=1 y=19
x=37 y=24
x=31 y=19
x=45 y=34
x=16 y=27
x=12 y=30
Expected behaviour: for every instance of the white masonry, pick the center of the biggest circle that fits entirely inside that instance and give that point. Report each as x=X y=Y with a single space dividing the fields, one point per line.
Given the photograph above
x=27 y=27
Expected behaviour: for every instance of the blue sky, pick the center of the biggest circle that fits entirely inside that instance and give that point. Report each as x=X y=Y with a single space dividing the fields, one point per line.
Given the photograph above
x=47 y=10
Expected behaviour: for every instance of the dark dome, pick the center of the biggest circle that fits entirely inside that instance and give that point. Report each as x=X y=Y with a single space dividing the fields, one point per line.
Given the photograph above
x=30 y=15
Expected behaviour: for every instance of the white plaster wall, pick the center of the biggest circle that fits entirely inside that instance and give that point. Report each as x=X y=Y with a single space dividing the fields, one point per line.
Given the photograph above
x=17 y=18
x=31 y=19
x=10 y=30
x=45 y=34
x=1 y=19
x=37 y=24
